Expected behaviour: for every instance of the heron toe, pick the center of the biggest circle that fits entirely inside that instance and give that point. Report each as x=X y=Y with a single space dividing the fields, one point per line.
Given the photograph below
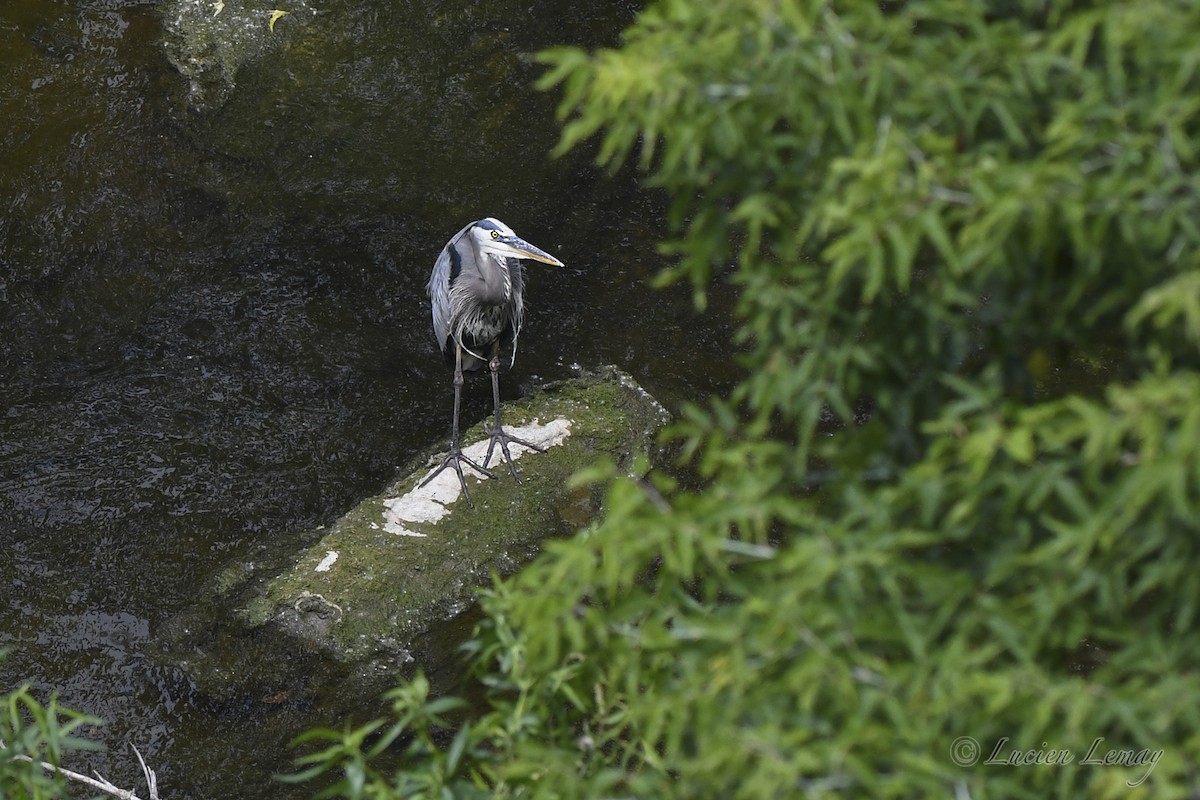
x=456 y=459
x=501 y=437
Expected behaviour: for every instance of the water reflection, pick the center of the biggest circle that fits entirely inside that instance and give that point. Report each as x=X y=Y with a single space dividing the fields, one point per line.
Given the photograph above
x=213 y=330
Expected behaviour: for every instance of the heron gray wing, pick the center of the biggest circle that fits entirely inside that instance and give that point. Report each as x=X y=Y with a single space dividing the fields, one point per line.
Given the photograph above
x=438 y=289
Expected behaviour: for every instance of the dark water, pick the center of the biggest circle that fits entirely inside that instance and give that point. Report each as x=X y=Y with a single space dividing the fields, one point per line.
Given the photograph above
x=213 y=327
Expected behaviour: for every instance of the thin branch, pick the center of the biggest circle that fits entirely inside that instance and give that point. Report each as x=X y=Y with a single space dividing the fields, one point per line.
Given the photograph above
x=100 y=783
x=151 y=778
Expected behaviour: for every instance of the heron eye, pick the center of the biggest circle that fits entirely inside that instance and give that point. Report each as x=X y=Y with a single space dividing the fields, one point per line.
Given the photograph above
x=495 y=234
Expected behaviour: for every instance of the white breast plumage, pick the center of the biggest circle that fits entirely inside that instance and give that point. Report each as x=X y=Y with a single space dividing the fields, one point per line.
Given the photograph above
x=471 y=322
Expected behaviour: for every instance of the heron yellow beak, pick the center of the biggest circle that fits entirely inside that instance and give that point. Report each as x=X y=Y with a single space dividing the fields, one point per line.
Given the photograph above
x=523 y=249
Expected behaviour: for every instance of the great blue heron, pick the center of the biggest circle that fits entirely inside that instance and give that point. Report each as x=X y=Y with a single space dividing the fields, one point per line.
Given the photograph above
x=476 y=294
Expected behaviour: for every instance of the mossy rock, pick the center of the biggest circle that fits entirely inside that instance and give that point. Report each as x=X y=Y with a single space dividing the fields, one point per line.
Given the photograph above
x=375 y=581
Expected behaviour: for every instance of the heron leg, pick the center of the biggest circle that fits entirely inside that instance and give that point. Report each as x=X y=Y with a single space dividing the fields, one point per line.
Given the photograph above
x=498 y=434
x=455 y=457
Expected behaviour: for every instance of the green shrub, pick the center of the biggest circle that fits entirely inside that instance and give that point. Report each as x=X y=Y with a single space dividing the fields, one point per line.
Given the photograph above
x=32 y=733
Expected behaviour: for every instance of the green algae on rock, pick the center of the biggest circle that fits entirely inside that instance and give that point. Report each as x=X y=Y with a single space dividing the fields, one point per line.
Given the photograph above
x=407 y=559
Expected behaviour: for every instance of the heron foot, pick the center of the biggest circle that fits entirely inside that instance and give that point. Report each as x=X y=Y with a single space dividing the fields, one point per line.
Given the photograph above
x=503 y=438
x=456 y=459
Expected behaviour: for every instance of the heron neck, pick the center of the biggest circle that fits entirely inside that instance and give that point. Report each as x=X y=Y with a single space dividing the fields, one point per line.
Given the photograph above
x=495 y=283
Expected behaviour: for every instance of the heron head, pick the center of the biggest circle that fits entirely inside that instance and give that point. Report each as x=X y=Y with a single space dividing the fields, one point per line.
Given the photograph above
x=493 y=237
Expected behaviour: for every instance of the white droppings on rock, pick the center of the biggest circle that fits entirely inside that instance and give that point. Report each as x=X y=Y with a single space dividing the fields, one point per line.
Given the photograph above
x=327 y=562
x=431 y=502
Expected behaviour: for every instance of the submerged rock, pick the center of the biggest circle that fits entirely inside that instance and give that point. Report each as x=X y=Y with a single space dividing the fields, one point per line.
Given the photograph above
x=209 y=41
x=368 y=589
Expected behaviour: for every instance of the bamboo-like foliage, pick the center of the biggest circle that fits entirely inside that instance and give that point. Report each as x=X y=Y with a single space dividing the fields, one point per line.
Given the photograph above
x=33 y=738
x=958 y=494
